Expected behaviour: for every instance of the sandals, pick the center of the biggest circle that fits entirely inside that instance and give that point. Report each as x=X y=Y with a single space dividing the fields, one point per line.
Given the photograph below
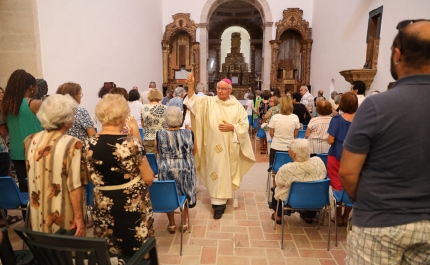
x=339 y=224
x=277 y=221
x=184 y=228
x=11 y=219
x=172 y=229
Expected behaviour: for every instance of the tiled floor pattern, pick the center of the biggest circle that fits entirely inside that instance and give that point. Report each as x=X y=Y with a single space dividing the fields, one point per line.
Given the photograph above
x=244 y=235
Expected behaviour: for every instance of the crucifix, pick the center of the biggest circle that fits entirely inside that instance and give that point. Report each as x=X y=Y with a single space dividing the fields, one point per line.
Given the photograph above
x=258 y=80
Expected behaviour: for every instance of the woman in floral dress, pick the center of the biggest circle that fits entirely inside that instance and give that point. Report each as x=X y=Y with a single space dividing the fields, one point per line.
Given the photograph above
x=152 y=118
x=175 y=147
x=121 y=175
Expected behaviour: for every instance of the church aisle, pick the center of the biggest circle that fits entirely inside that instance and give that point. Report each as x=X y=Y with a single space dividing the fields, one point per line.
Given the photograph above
x=244 y=235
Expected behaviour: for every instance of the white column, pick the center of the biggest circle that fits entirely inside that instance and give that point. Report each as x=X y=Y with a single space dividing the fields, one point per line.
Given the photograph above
x=203 y=53
x=267 y=55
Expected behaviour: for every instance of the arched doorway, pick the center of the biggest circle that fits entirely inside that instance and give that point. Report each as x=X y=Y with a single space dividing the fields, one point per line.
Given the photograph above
x=259 y=8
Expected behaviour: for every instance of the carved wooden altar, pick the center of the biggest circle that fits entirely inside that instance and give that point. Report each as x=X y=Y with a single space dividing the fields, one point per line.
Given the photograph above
x=180 y=50
x=235 y=68
x=293 y=71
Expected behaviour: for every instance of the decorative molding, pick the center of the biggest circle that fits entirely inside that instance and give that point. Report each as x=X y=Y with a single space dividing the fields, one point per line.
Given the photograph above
x=293 y=19
x=181 y=22
x=268 y=24
x=203 y=25
x=365 y=75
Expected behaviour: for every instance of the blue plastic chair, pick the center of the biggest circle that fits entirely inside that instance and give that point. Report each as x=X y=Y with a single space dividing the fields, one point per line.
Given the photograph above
x=165 y=199
x=341 y=196
x=260 y=134
x=310 y=196
x=152 y=159
x=281 y=158
x=324 y=158
x=12 y=198
x=305 y=127
x=142 y=133
x=301 y=134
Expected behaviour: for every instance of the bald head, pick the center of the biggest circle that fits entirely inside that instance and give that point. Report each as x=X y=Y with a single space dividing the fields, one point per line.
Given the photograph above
x=324 y=107
x=411 y=49
x=303 y=90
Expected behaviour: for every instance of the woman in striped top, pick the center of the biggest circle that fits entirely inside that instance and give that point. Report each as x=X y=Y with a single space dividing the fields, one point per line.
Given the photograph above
x=318 y=126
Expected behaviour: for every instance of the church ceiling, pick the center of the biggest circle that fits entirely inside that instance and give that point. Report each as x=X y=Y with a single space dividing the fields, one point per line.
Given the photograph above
x=236 y=13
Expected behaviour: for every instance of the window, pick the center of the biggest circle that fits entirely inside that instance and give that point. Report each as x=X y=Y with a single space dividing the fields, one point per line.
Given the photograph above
x=372 y=39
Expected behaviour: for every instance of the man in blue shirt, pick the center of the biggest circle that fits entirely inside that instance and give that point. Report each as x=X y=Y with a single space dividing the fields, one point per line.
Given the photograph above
x=385 y=161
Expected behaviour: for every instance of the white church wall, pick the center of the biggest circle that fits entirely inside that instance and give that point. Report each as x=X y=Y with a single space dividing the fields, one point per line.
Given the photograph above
x=339 y=39
x=90 y=42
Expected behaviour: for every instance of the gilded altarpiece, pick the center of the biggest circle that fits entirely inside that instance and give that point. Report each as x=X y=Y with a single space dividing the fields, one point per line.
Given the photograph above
x=291 y=52
x=180 y=50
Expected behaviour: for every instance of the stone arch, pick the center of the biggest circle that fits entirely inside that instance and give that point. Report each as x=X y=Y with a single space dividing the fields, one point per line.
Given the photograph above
x=262 y=6
x=255 y=32
x=211 y=5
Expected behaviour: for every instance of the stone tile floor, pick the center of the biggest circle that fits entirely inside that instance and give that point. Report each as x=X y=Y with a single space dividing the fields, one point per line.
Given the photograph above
x=244 y=235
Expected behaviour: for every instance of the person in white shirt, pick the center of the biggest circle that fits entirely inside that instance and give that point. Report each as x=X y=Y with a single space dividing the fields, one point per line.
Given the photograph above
x=359 y=89
x=201 y=91
x=248 y=107
x=135 y=106
x=307 y=98
x=144 y=94
x=247 y=94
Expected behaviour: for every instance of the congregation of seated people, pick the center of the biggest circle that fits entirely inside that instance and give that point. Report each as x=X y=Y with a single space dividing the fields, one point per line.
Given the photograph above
x=109 y=150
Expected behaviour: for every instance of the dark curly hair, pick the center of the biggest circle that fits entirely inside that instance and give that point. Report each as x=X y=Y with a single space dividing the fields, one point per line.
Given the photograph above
x=119 y=91
x=133 y=95
x=19 y=81
x=42 y=89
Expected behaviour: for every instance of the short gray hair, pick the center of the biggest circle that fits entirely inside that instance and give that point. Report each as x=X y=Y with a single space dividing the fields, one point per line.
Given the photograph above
x=173 y=116
x=302 y=149
x=112 y=109
x=179 y=91
x=56 y=111
x=333 y=94
x=337 y=99
x=200 y=87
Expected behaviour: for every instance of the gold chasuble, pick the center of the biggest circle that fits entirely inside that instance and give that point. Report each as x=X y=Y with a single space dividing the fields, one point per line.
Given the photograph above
x=222 y=158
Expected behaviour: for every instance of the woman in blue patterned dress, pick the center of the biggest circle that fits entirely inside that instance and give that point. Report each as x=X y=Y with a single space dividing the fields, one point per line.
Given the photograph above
x=175 y=147
x=83 y=126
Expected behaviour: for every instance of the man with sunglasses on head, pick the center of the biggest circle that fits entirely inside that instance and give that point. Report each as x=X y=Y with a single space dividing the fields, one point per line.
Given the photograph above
x=224 y=152
x=385 y=161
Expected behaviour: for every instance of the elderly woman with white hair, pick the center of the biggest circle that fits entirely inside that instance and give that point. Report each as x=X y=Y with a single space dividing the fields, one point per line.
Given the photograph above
x=177 y=99
x=175 y=147
x=54 y=169
x=121 y=175
x=303 y=168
